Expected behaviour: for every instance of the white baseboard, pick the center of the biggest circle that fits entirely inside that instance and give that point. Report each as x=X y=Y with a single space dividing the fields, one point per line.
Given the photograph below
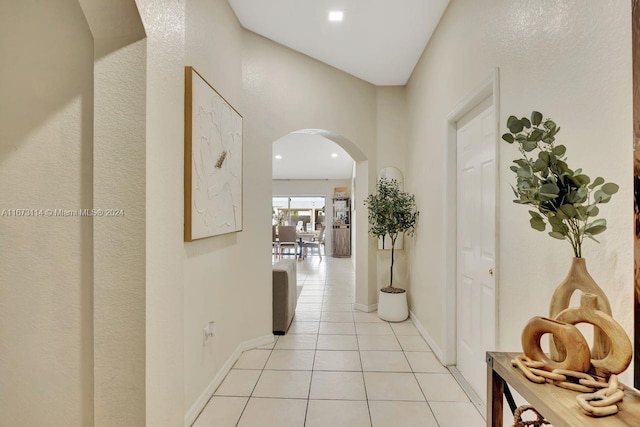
x=437 y=351
x=365 y=308
x=202 y=401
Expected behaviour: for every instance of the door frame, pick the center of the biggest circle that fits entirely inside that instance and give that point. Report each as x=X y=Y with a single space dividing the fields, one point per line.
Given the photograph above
x=490 y=87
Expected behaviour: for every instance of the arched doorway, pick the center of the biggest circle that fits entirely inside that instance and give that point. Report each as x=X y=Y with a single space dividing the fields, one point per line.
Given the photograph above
x=362 y=250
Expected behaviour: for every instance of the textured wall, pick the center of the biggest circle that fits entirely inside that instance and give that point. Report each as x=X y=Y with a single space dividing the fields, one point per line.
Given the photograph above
x=569 y=59
x=218 y=284
x=393 y=133
x=164 y=24
x=46 y=265
x=119 y=241
x=286 y=91
x=277 y=91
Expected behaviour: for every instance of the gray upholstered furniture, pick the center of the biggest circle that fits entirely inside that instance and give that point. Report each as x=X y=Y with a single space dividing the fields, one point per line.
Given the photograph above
x=285 y=294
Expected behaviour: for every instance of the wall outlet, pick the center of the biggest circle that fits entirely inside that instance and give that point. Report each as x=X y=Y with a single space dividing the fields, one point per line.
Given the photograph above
x=209 y=330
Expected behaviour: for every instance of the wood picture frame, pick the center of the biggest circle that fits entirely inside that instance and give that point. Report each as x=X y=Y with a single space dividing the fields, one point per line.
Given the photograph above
x=213 y=159
x=635 y=47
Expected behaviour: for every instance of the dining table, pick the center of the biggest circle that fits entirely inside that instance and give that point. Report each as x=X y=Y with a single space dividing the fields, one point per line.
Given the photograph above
x=305 y=235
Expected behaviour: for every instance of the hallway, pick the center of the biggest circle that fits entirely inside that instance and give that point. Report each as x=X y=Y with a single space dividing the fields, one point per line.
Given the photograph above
x=339 y=367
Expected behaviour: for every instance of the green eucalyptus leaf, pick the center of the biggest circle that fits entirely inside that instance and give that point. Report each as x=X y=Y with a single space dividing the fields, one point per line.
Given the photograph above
x=601 y=197
x=582 y=179
x=529 y=146
x=549 y=125
x=562 y=166
x=525 y=122
x=596 y=229
x=536 y=118
x=515 y=125
x=538 y=224
x=593 y=210
x=559 y=150
x=557 y=235
x=610 y=188
x=598 y=223
x=535 y=214
x=539 y=165
x=535 y=135
x=569 y=211
x=508 y=137
x=582 y=194
x=561 y=215
x=550 y=189
x=598 y=181
x=543 y=155
x=524 y=172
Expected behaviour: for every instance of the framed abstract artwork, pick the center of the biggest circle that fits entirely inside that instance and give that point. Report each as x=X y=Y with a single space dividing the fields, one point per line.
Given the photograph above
x=212 y=161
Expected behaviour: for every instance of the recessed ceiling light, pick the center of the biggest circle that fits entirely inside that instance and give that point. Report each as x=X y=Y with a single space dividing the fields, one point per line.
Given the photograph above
x=336 y=15
x=334 y=155
x=278 y=156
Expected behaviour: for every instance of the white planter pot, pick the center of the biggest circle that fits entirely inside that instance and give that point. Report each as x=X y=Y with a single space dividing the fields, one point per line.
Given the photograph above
x=393 y=307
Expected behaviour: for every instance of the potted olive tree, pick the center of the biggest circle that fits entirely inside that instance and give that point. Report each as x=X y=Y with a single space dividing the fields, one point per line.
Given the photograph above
x=391 y=213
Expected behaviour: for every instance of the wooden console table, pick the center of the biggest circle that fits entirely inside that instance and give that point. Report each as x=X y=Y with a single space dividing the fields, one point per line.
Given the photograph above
x=558 y=405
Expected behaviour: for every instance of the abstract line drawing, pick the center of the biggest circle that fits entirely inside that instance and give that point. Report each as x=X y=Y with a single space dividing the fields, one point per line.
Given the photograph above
x=213 y=161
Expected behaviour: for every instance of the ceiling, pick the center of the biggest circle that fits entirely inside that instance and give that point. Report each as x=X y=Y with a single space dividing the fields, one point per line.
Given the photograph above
x=379 y=41
x=306 y=156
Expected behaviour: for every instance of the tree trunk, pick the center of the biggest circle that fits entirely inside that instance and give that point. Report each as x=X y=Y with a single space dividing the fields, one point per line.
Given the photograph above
x=393 y=245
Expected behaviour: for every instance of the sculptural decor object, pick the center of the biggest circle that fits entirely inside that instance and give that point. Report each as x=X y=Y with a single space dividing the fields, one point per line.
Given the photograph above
x=565 y=199
x=620 y=351
x=577 y=359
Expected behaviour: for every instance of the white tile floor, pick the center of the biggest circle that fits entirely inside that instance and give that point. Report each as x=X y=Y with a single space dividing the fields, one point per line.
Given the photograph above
x=339 y=367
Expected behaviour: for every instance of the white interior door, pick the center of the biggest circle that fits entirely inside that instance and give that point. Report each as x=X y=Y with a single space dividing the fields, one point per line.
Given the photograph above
x=476 y=184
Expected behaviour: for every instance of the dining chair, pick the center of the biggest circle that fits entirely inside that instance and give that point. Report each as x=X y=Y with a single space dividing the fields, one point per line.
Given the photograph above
x=287 y=239
x=316 y=244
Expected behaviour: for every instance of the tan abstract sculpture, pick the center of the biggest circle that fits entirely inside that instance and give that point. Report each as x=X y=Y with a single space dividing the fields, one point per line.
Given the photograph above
x=577 y=359
x=620 y=351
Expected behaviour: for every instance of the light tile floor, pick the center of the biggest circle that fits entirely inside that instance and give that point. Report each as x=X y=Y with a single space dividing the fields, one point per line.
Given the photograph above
x=339 y=367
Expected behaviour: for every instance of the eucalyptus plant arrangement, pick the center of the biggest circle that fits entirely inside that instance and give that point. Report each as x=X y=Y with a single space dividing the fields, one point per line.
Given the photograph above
x=391 y=213
x=565 y=199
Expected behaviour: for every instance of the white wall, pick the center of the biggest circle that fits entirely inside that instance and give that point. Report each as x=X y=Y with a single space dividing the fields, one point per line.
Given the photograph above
x=118 y=241
x=393 y=134
x=277 y=91
x=46 y=263
x=218 y=284
x=286 y=91
x=570 y=60
x=164 y=24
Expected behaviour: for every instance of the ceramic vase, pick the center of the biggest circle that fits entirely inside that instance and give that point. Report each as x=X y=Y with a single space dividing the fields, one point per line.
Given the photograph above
x=579 y=279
